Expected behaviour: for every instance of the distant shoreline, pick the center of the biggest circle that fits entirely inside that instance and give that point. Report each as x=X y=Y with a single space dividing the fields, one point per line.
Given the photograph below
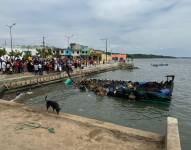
x=156 y=58
x=148 y=56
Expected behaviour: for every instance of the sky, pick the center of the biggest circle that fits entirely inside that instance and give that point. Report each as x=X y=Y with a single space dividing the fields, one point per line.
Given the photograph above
x=131 y=26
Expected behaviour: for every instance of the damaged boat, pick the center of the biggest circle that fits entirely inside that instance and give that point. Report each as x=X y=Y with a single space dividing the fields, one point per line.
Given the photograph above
x=158 y=91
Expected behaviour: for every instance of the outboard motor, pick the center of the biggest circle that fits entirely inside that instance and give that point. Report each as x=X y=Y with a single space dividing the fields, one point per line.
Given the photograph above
x=82 y=88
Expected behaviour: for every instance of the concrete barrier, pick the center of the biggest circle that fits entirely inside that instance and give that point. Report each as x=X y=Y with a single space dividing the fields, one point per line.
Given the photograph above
x=172 y=135
x=55 y=77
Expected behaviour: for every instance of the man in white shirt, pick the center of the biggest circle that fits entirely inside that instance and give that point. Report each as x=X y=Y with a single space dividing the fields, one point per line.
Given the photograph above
x=40 y=69
x=3 y=66
x=36 y=68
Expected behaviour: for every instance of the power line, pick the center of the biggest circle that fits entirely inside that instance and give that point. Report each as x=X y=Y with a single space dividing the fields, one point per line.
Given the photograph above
x=68 y=39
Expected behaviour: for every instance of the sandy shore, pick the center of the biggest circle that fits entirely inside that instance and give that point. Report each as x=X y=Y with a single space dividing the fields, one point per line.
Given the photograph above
x=70 y=132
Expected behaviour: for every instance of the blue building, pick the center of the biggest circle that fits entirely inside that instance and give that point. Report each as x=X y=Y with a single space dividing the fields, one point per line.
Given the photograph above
x=68 y=52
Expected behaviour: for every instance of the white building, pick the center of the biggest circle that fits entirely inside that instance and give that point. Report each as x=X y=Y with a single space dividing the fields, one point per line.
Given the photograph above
x=19 y=48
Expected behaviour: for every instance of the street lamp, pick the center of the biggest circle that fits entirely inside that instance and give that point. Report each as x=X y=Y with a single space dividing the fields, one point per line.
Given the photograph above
x=68 y=38
x=105 y=46
x=10 y=31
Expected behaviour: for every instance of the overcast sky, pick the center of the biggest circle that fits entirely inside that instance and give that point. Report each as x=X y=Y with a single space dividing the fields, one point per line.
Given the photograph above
x=131 y=26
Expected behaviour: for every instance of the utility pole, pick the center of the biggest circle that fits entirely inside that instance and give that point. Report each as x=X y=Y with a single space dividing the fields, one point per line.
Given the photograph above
x=68 y=39
x=105 y=46
x=5 y=44
x=10 y=32
x=43 y=42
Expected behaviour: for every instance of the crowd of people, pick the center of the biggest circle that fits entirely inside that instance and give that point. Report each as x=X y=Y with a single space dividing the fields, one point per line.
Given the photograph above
x=39 y=65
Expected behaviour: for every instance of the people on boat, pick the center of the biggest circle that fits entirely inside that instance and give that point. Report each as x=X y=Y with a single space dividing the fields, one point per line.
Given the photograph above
x=128 y=89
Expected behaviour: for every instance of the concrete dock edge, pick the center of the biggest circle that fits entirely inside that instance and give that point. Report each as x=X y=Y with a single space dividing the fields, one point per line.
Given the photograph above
x=172 y=134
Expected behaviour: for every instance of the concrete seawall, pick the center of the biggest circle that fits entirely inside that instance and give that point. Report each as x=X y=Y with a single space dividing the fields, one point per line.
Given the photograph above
x=172 y=135
x=34 y=81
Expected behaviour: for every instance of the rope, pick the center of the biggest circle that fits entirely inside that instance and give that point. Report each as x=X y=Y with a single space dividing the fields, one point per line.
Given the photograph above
x=33 y=125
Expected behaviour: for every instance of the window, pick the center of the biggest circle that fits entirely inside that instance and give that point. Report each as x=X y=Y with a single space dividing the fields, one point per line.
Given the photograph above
x=121 y=59
x=82 y=52
x=67 y=52
x=86 y=52
x=62 y=51
x=77 y=52
x=53 y=51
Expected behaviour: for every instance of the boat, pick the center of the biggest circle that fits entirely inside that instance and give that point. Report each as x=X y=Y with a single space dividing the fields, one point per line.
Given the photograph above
x=158 y=65
x=153 y=91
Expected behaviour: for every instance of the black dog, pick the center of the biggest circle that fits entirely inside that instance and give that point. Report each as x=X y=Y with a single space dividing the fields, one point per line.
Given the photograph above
x=54 y=105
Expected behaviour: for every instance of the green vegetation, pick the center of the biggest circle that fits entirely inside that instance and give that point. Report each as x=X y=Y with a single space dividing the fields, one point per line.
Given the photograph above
x=44 y=52
x=3 y=52
x=27 y=54
x=15 y=53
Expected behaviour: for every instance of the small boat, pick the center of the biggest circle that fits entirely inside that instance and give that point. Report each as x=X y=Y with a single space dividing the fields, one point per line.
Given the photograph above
x=158 y=65
x=157 y=91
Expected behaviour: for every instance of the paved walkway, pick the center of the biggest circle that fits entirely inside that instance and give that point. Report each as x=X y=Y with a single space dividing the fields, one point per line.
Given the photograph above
x=5 y=77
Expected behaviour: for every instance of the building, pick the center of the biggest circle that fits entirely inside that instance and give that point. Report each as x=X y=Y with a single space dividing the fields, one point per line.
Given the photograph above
x=85 y=51
x=103 y=57
x=60 y=52
x=68 y=52
x=100 y=56
x=119 y=57
x=80 y=50
x=96 y=55
x=31 y=51
x=76 y=48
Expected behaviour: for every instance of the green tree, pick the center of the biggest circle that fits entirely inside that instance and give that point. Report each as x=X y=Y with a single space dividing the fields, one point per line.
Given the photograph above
x=44 y=52
x=15 y=53
x=3 y=52
x=27 y=54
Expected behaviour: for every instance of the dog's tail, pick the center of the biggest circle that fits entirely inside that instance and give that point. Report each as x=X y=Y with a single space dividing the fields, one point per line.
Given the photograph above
x=45 y=98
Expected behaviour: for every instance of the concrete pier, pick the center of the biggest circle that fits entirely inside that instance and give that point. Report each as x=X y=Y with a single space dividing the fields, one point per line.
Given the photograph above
x=172 y=137
x=33 y=81
x=70 y=132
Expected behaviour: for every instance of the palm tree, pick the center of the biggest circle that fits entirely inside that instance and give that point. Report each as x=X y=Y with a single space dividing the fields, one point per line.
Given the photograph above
x=15 y=53
x=27 y=54
x=44 y=52
x=3 y=52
